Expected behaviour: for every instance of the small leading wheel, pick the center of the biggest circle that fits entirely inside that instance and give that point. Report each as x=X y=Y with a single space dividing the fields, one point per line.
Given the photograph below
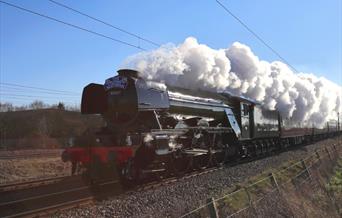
x=130 y=174
x=203 y=161
x=220 y=156
x=95 y=169
x=74 y=167
x=180 y=164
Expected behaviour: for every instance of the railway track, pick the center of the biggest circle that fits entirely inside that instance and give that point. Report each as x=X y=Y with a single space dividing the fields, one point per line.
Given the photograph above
x=44 y=199
x=23 y=156
x=30 y=183
x=45 y=196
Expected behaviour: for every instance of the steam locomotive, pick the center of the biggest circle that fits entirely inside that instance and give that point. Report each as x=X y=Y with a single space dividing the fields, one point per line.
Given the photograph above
x=152 y=129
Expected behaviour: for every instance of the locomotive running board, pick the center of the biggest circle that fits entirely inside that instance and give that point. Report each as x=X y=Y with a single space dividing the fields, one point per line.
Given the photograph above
x=154 y=170
x=184 y=130
x=196 y=151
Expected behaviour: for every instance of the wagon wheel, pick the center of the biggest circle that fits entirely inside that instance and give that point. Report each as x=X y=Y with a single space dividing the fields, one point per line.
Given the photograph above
x=265 y=148
x=269 y=147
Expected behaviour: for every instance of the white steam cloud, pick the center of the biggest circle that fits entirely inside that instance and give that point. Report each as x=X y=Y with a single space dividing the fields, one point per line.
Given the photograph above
x=301 y=97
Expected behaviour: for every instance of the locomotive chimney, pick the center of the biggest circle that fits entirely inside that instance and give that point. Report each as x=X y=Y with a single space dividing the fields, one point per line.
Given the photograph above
x=128 y=73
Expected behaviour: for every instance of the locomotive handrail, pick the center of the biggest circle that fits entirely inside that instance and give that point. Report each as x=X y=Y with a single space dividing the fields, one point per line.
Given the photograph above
x=184 y=130
x=197 y=102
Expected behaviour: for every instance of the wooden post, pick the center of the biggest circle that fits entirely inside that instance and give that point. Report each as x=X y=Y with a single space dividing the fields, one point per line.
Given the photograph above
x=212 y=208
x=306 y=169
x=334 y=146
x=318 y=156
x=274 y=181
x=330 y=195
x=327 y=150
x=251 y=205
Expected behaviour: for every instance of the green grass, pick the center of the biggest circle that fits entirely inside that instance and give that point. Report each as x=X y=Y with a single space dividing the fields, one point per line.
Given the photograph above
x=335 y=183
x=237 y=200
x=240 y=199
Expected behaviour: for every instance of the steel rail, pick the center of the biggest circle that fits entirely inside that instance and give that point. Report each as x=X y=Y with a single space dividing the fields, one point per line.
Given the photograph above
x=30 y=183
x=49 y=209
x=21 y=156
x=46 y=201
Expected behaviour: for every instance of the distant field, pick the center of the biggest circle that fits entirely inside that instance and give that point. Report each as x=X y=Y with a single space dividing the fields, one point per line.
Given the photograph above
x=16 y=170
x=43 y=128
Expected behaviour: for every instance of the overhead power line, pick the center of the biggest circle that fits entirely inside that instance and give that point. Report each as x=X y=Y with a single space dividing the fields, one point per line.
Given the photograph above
x=28 y=96
x=256 y=35
x=39 y=88
x=31 y=100
x=27 y=90
x=105 y=23
x=72 y=25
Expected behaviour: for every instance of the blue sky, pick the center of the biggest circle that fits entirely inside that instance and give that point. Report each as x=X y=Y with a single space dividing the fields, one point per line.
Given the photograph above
x=41 y=53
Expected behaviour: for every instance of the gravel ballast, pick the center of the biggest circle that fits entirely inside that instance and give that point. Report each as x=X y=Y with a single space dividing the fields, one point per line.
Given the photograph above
x=180 y=197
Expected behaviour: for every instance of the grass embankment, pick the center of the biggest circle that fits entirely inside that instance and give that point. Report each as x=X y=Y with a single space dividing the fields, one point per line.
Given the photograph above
x=335 y=186
x=258 y=186
x=300 y=192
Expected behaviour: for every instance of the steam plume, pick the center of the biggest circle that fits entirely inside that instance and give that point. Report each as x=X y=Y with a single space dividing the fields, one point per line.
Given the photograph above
x=302 y=97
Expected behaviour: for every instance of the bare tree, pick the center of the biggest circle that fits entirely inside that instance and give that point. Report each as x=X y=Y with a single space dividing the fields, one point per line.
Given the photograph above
x=75 y=107
x=6 y=107
x=37 y=105
x=61 y=106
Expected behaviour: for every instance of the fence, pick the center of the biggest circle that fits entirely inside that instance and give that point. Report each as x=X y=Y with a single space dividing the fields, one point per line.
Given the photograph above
x=279 y=193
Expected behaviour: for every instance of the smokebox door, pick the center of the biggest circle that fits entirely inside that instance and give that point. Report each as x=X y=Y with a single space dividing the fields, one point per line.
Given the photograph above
x=94 y=99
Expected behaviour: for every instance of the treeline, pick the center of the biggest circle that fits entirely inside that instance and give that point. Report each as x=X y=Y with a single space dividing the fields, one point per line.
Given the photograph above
x=36 y=105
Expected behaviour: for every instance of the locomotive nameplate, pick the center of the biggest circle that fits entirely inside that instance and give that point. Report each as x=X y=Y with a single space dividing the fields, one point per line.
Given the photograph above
x=118 y=82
